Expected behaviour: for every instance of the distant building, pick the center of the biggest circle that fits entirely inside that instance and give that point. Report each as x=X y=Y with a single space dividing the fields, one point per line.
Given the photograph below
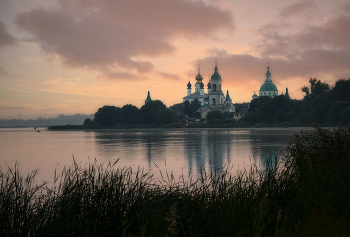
x=148 y=98
x=238 y=115
x=214 y=99
x=268 y=88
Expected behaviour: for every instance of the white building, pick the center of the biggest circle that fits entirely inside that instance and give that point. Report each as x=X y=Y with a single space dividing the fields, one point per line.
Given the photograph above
x=214 y=98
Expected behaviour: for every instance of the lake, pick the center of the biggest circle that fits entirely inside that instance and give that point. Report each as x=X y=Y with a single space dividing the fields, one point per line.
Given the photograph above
x=180 y=151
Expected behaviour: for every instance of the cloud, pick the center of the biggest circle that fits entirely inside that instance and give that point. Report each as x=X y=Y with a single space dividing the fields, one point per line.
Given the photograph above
x=116 y=33
x=5 y=38
x=317 y=50
x=13 y=107
x=3 y=72
x=168 y=75
x=305 y=8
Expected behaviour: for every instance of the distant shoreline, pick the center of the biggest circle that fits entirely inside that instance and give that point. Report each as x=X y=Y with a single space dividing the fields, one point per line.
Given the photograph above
x=185 y=126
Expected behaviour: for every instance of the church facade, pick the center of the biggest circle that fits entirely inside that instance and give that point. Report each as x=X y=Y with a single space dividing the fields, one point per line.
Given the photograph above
x=214 y=98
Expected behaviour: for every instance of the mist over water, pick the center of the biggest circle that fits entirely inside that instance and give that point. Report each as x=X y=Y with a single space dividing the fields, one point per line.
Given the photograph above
x=179 y=151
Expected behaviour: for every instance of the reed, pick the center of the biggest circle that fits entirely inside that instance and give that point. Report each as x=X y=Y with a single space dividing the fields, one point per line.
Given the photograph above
x=301 y=193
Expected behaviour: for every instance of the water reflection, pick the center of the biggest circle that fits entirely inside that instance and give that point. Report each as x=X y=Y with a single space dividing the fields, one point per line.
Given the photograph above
x=190 y=151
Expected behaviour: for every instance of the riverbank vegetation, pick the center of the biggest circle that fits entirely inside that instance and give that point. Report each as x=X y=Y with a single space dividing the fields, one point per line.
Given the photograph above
x=322 y=104
x=301 y=193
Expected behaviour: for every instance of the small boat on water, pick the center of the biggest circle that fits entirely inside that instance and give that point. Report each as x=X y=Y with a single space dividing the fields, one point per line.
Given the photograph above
x=38 y=130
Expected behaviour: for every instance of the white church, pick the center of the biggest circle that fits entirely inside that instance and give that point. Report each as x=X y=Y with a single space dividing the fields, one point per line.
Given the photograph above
x=214 y=99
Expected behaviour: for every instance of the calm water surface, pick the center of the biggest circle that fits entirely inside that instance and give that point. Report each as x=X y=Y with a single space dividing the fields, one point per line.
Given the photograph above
x=179 y=151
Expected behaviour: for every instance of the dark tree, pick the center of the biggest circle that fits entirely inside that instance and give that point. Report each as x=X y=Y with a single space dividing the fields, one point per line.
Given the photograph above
x=147 y=113
x=341 y=90
x=87 y=122
x=306 y=90
x=117 y=116
x=195 y=105
x=187 y=108
x=166 y=116
x=214 y=114
x=179 y=106
x=129 y=114
x=104 y=115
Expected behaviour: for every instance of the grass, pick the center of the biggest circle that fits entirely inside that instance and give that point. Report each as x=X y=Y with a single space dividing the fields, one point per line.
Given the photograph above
x=303 y=193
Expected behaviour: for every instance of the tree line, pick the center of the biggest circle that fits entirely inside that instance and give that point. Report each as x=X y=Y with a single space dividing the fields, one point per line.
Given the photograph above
x=153 y=112
x=325 y=105
x=321 y=104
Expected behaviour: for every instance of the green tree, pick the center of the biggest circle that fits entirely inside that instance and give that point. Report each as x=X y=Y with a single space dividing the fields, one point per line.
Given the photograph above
x=179 y=106
x=104 y=115
x=187 y=108
x=117 y=116
x=147 y=113
x=166 y=116
x=333 y=117
x=280 y=116
x=319 y=112
x=195 y=105
x=341 y=90
x=214 y=114
x=129 y=114
x=306 y=90
x=345 y=116
x=87 y=122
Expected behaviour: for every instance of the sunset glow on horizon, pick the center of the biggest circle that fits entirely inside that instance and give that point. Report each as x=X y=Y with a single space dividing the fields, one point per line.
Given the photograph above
x=75 y=56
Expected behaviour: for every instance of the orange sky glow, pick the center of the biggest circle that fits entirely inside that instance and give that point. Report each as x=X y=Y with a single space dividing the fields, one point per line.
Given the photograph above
x=74 y=56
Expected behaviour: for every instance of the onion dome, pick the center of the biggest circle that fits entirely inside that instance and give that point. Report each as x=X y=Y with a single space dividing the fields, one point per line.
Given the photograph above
x=199 y=78
x=209 y=85
x=189 y=85
x=201 y=85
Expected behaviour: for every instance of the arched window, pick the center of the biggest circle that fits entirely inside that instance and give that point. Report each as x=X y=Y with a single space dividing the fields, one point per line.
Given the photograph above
x=269 y=93
x=214 y=87
x=219 y=87
x=222 y=101
x=213 y=101
x=264 y=93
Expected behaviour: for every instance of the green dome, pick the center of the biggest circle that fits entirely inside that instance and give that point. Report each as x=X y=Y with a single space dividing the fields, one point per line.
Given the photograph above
x=216 y=75
x=268 y=86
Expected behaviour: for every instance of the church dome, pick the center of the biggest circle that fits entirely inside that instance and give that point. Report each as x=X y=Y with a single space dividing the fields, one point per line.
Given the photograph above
x=189 y=85
x=268 y=86
x=199 y=78
x=216 y=75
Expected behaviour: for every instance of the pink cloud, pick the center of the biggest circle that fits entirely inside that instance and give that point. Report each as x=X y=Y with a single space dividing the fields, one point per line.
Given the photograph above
x=3 y=72
x=5 y=38
x=306 y=8
x=114 y=33
x=168 y=75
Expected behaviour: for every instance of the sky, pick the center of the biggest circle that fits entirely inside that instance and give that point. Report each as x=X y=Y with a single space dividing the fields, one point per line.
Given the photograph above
x=75 y=56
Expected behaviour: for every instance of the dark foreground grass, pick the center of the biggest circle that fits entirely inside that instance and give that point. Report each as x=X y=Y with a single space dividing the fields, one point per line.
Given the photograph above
x=303 y=194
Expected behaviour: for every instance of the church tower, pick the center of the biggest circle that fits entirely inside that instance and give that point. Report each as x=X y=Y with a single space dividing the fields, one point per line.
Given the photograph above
x=148 y=99
x=216 y=96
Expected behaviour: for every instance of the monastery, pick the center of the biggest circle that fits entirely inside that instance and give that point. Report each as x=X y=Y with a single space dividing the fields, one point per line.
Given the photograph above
x=214 y=99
